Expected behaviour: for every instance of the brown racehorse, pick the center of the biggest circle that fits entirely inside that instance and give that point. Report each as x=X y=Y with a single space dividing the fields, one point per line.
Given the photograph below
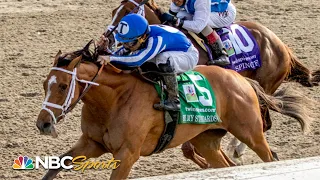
x=118 y=115
x=278 y=62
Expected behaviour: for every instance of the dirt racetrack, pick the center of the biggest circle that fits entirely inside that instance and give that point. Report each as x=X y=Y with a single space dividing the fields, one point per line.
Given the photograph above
x=32 y=32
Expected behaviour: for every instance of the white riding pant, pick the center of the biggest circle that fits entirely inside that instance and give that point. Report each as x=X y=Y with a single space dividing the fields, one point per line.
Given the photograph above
x=217 y=19
x=181 y=61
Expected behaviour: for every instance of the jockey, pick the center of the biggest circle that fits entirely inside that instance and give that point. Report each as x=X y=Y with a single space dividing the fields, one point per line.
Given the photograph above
x=165 y=46
x=200 y=16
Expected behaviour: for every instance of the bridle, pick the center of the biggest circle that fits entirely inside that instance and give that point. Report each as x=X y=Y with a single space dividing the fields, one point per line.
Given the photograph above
x=67 y=106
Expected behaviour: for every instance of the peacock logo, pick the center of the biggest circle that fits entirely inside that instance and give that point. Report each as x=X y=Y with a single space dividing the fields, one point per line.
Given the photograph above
x=23 y=162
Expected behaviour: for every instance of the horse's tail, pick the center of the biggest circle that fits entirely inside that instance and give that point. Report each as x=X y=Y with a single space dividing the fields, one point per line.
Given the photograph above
x=301 y=73
x=288 y=103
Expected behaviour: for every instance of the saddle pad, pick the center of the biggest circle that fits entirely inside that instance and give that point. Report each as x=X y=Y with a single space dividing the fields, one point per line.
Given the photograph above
x=197 y=99
x=242 y=48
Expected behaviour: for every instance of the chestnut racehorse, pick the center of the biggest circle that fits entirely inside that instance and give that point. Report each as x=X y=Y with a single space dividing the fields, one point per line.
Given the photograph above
x=278 y=63
x=118 y=115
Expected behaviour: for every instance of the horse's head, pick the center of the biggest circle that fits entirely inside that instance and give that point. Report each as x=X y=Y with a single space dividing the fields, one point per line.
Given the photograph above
x=62 y=88
x=149 y=10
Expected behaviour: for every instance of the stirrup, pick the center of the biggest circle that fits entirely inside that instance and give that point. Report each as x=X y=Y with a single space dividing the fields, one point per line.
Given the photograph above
x=210 y=63
x=221 y=61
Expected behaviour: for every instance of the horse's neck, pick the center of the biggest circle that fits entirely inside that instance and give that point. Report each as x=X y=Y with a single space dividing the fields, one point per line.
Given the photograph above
x=114 y=89
x=152 y=13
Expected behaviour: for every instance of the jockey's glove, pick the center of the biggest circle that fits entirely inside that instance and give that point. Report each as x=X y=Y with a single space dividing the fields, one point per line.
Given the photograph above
x=166 y=17
x=103 y=59
x=177 y=22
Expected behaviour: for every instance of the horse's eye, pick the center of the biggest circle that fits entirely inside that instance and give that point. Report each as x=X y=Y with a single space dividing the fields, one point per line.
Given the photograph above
x=63 y=87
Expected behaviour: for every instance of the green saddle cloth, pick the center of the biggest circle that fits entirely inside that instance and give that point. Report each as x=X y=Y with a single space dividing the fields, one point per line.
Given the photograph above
x=197 y=99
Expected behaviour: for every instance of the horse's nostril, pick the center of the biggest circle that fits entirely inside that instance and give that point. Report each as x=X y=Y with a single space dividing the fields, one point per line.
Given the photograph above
x=46 y=125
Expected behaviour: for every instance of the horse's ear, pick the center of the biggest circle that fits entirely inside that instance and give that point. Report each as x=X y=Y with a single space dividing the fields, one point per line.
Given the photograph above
x=86 y=48
x=74 y=63
x=56 y=59
x=89 y=51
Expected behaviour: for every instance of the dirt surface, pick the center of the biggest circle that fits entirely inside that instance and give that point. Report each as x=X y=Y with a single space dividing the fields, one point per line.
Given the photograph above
x=32 y=32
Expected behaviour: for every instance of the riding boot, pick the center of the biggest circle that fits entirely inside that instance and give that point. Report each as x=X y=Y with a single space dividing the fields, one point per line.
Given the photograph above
x=219 y=52
x=172 y=103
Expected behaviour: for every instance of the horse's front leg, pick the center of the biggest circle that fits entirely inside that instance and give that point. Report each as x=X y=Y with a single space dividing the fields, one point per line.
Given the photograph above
x=84 y=147
x=127 y=158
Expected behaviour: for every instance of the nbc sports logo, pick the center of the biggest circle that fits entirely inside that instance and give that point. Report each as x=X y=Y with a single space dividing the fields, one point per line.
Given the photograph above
x=23 y=162
x=55 y=162
x=49 y=162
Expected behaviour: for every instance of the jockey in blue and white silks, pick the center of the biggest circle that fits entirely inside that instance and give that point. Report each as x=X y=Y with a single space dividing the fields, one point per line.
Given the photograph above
x=163 y=43
x=200 y=16
x=166 y=46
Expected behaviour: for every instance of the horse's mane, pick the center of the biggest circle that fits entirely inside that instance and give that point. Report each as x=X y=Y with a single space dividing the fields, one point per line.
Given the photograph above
x=152 y=5
x=87 y=56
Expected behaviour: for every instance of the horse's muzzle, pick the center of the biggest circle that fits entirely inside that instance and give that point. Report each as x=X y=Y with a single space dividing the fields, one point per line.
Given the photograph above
x=46 y=128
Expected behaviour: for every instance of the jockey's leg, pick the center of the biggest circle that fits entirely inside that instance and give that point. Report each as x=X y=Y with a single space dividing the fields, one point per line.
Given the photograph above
x=219 y=20
x=172 y=63
x=172 y=103
x=219 y=52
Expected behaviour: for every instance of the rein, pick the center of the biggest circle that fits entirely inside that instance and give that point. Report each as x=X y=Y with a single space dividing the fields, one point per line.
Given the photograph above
x=67 y=106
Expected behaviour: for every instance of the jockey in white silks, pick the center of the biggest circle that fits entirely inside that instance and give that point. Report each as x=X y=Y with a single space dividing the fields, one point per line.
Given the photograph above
x=165 y=46
x=202 y=16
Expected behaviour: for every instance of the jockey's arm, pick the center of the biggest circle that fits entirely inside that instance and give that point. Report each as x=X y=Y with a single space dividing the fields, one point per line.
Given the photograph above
x=200 y=18
x=154 y=47
x=174 y=9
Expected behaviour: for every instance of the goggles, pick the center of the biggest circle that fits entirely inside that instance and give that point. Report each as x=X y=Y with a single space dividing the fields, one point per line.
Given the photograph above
x=131 y=43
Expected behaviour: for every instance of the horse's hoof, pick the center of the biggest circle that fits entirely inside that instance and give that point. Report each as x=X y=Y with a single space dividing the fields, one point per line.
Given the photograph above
x=275 y=155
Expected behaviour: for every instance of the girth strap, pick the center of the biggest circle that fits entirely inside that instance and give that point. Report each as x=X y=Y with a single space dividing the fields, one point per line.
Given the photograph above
x=170 y=117
x=171 y=121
